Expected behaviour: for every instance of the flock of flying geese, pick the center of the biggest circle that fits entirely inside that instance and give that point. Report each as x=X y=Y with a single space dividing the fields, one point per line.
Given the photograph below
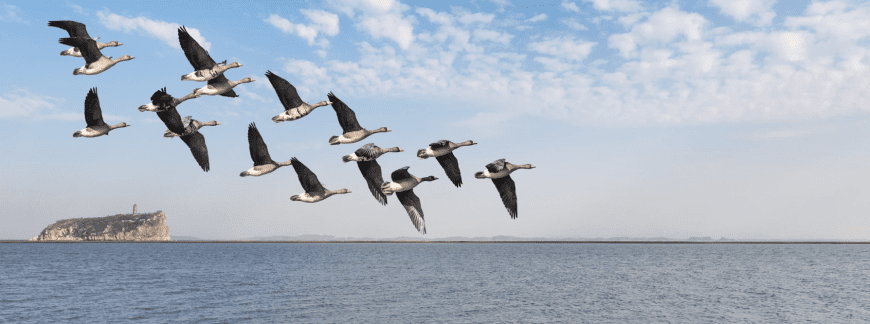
x=188 y=129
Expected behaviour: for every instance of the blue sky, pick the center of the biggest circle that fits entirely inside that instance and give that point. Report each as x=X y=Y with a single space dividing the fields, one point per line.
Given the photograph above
x=742 y=119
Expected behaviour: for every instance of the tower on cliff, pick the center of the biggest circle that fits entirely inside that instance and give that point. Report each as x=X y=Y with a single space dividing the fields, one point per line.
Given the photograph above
x=134 y=209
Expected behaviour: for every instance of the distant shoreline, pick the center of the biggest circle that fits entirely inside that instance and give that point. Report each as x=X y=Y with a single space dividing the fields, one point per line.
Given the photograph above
x=453 y=242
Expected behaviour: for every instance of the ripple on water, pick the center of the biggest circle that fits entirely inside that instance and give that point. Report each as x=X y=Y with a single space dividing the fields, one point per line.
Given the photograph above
x=438 y=283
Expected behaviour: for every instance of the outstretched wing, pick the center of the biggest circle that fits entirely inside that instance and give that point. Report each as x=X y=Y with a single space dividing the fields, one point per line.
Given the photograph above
x=87 y=46
x=371 y=171
x=196 y=142
x=346 y=116
x=222 y=79
x=440 y=144
x=411 y=203
x=307 y=179
x=508 y=191
x=400 y=174
x=369 y=151
x=496 y=166
x=93 y=113
x=451 y=167
x=169 y=115
x=259 y=151
x=196 y=55
x=286 y=92
x=74 y=28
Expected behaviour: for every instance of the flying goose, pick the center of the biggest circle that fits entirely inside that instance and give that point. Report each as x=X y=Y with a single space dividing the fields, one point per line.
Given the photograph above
x=314 y=191
x=190 y=134
x=443 y=152
x=294 y=107
x=220 y=88
x=95 y=62
x=499 y=171
x=403 y=185
x=207 y=68
x=94 y=118
x=160 y=97
x=208 y=74
x=352 y=131
x=77 y=29
x=263 y=163
x=190 y=123
x=365 y=158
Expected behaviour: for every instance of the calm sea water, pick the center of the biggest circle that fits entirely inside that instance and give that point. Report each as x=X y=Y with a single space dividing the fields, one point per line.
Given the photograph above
x=434 y=283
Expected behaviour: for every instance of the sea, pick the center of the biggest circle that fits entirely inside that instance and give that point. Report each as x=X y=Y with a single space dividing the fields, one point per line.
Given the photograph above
x=433 y=283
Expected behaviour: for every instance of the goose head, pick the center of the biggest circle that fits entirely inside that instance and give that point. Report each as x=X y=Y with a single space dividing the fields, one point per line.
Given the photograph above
x=382 y=130
x=246 y=80
x=429 y=178
x=113 y=44
x=126 y=58
x=235 y=65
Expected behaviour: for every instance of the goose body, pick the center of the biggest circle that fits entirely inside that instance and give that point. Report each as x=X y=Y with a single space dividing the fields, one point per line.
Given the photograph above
x=191 y=125
x=202 y=61
x=208 y=74
x=352 y=131
x=263 y=163
x=94 y=118
x=220 y=89
x=189 y=134
x=162 y=99
x=403 y=184
x=366 y=159
x=294 y=107
x=443 y=152
x=77 y=29
x=499 y=171
x=314 y=191
x=95 y=62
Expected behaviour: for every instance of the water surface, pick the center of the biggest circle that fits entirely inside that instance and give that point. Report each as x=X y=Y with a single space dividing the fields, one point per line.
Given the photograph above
x=434 y=283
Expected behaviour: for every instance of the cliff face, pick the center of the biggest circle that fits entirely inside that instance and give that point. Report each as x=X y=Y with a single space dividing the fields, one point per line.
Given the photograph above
x=121 y=227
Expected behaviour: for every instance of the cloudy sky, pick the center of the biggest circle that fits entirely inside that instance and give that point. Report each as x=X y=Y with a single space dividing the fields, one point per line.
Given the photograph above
x=742 y=119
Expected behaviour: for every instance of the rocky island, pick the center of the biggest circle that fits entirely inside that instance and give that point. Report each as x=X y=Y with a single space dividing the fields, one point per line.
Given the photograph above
x=121 y=227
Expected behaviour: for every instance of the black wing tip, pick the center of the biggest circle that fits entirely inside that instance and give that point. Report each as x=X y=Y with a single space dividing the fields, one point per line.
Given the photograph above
x=252 y=126
x=182 y=29
x=269 y=73
x=93 y=91
x=332 y=98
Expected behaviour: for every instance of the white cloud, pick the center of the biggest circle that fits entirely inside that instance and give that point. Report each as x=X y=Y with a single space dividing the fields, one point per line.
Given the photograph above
x=618 y=5
x=573 y=23
x=500 y=4
x=675 y=69
x=78 y=9
x=475 y=18
x=761 y=11
x=563 y=47
x=11 y=13
x=381 y=19
x=662 y=26
x=492 y=36
x=23 y=103
x=570 y=6
x=321 y=22
x=165 y=31
x=537 y=18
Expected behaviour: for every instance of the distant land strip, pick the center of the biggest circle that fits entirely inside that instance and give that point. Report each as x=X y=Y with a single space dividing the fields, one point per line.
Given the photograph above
x=478 y=242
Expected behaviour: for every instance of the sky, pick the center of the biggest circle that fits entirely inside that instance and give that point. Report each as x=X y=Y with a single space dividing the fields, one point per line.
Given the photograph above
x=737 y=119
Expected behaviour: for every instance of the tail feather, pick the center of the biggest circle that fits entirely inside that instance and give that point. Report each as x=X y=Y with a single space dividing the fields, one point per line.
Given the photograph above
x=77 y=134
x=346 y=158
x=385 y=187
x=295 y=198
x=169 y=134
x=276 y=119
x=334 y=140
x=421 y=153
x=479 y=175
